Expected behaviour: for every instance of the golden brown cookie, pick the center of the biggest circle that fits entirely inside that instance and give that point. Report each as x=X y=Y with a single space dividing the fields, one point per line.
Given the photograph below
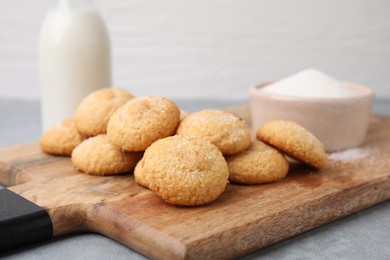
x=295 y=141
x=97 y=156
x=61 y=139
x=228 y=132
x=183 y=170
x=259 y=163
x=142 y=121
x=95 y=110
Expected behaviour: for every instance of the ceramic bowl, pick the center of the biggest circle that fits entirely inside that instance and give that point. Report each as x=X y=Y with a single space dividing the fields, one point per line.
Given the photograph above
x=339 y=123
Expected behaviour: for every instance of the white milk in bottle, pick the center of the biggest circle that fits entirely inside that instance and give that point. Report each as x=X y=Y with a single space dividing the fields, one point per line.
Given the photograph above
x=74 y=58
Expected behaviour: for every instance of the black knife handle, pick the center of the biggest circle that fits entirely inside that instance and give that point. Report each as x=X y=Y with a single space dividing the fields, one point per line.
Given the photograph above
x=22 y=222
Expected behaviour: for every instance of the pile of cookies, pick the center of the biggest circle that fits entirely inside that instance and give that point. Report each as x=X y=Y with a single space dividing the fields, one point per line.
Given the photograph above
x=187 y=159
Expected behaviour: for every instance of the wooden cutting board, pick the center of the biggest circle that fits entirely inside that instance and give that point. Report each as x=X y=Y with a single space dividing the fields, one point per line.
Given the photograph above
x=242 y=220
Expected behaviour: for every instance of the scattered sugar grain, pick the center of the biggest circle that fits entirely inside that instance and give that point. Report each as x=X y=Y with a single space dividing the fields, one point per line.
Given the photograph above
x=349 y=155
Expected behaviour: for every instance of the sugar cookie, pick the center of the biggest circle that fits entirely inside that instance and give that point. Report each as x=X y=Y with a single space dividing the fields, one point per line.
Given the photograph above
x=142 y=121
x=228 y=132
x=97 y=156
x=61 y=139
x=183 y=170
x=295 y=141
x=94 y=111
x=259 y=163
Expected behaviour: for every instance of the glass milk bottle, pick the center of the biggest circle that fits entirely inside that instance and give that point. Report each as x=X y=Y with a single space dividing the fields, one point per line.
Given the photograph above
x=74 y=58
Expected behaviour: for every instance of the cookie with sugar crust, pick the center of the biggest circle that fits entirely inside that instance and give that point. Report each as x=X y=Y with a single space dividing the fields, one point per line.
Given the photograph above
x=94 y=111
x=142 y=121
x=97 y=156
x=61 y=139
x=258 y=164
x=295 y=141
x=183 y=170
x=228 y=132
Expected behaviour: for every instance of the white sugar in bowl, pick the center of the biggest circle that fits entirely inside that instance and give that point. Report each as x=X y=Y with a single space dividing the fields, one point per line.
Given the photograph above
x=338 y=122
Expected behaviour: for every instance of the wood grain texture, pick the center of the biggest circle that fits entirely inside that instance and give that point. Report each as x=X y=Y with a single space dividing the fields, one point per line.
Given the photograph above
x=242 y=220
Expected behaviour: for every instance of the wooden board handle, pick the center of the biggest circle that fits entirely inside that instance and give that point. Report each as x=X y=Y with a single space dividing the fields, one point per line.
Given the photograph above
x=22 y=222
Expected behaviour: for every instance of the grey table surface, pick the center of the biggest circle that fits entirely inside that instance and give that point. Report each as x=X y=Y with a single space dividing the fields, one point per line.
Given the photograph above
x=363 y=235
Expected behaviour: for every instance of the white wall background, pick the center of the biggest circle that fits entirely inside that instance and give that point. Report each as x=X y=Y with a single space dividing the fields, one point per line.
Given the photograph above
x=213 y=49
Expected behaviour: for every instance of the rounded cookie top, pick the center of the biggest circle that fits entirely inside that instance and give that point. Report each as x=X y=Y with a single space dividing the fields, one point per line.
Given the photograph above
x=183 y=170
x=61 y=139
x=228 y=132
x=295 y=141
x=259 y=163
x=95 y=110
x=97 y=156
x=142 y=121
